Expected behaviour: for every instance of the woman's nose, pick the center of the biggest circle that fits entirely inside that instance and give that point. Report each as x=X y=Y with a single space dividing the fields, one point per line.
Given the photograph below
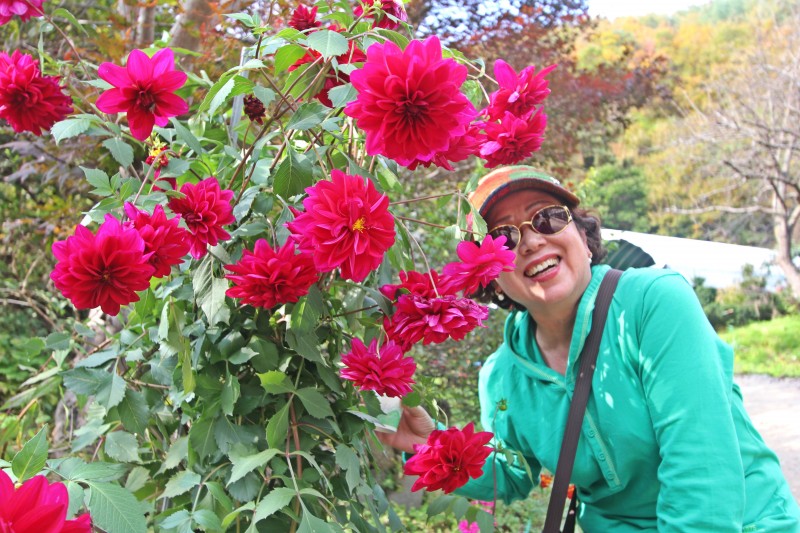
x=530 y=240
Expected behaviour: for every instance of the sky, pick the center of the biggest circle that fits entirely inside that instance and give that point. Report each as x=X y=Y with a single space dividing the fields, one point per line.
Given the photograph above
x=612 y=9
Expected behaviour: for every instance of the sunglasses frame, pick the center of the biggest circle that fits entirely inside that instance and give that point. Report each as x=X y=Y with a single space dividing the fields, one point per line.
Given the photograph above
x=530 y=223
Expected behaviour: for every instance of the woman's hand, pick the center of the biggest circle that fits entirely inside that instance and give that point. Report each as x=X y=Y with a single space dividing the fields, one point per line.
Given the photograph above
x=414 y=428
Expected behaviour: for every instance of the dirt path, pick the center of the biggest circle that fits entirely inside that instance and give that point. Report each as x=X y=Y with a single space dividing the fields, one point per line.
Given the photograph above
x=772 y=404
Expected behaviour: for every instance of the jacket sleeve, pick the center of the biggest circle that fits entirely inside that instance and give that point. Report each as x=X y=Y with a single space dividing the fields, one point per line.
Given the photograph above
x=687 y=375
x=508 y=472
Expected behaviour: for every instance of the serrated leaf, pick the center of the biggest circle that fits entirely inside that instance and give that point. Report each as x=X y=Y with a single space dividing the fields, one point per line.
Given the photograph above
x=30 y=460
x=177 y=520
x=347 y=459
x=121 y=151
x=242 y=465
x=207 y=520
x=61 y=12
x=277 y=427
x=210 y=293
x=133 y=412
x=114 y=509
x=178 y=451
x=293 y=175
x=287 y=55
x=342 y=95
x=274 y=501
x=111 y=393
x=122 y=446
x=68 y=128
x=201 y=438
x=187 y=136
x=265 y=95
x=328 y=43
x=220 y=96
x=230 y=393
x=315 y=403
x=181 y=482
x=312 y=524
x=275 y=382
x=307 y=116
x=96 y=471
x=99 y=180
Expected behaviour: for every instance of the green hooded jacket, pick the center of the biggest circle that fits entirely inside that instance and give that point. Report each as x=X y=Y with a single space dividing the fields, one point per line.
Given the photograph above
x=665 y=445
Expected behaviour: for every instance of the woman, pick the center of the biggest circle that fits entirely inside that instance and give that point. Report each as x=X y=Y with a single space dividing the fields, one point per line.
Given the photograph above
x=666 y=444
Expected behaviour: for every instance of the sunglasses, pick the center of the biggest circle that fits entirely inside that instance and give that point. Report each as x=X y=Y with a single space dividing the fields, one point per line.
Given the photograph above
x=550 y=220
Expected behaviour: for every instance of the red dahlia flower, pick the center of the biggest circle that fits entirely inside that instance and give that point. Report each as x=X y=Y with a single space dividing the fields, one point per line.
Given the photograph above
x=24 y=9
x=346 y=224
x=37 y=507
x=167 y=242
x=384 y=370
x=267 y=277
x=386 y=10
x=333 y=78
x=102 y=270
x=518 y=94
x=432 y=320
x=514 y=139
x=449 y=458
x=145 y=89
x=419 y=284
x=304 y=18
x=479 y=265
x=30 y=101
x=205 y=208
x=409 y=102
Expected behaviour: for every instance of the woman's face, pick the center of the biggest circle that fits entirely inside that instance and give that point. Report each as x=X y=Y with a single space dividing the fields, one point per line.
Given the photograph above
x=551 y=270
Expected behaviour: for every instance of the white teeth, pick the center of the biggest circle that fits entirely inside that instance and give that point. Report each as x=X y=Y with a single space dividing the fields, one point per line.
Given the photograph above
x=540 y=267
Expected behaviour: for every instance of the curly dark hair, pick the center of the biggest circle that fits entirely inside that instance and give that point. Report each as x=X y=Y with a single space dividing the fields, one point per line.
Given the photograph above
x=589 y=223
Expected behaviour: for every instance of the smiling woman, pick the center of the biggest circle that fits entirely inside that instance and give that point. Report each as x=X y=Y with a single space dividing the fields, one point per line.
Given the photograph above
x=665 y=436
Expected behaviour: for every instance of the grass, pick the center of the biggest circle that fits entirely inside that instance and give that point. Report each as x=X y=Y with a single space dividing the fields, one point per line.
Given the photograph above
x=771 y=347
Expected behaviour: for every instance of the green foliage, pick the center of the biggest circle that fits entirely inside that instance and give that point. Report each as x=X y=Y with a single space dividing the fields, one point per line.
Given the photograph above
x=770 y=347
x=619 y=195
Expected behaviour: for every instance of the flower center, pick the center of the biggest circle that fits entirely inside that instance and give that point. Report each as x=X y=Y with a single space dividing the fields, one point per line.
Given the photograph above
x=360 y=225
x=412 y=107
x=145 y=100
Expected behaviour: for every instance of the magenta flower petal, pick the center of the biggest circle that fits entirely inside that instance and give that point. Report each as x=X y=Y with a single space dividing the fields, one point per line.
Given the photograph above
x=383 y=369
x=480 y=264
x=140 y=69
x=206 y=209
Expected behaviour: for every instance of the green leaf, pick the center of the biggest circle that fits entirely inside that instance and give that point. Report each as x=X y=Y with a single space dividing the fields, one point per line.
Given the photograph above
x=187 y=136
x=307 y=116
x=347 y=459
x=293 y=175
x=61 y=12
x=85 y=381
x=69 y=128
x=277 y=427
x=120 y=150
x=342 y=95
x=201 y=438
x=286 y=56
x=312 y=524
x=328 y=43
x=207 y=520
x=30 y=460
x=210 y=293
x=230 y=517
x=221 y=95
x=122 y=446
x=304 y=344
x=181 y=520
x=440 y=505
x=315 y=403
x=96 y=471
x=180 y=483
x=178 y=451
x=265 y=95
x=275 y=382
x=99 y=180
x=274 y=501
x=230 y=393
x=111 y=393
x=114 y=509
x=245 y=464
x=133 y=412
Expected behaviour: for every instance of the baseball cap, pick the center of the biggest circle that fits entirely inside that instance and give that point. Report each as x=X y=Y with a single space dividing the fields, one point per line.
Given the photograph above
x=501 y=182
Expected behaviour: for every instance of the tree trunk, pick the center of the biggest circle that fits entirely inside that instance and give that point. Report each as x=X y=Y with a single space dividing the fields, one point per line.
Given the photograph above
x=146 y=26
x=783 y=256
x=197 y=17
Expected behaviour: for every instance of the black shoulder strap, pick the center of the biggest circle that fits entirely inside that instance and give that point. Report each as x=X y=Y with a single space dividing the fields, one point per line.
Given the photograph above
x=577 y=407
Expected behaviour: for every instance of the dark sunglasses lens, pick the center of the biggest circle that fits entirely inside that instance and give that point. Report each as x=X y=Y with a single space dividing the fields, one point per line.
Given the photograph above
x=511 y=233
x=550 y=220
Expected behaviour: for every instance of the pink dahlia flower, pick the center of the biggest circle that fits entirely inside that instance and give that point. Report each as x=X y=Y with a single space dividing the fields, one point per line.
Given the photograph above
x=409 y=102
x=514 y=139
x=30 y=101
x=518 y=94
x=37 y=507
x=102 y=270
x=333 y=77
x=449 y=458
x=205 y=208
x=479 y=265
x=385 y=370
x=304 y=18
x=24 y=9
x=267 y=277
x=383 y=17
x=428 y=285
x=346 y=224
x=167 y=242
x=145 y=89
x=432 y=320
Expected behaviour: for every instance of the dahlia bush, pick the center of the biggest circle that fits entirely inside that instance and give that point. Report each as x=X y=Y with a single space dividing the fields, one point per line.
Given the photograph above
x=256 y=293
